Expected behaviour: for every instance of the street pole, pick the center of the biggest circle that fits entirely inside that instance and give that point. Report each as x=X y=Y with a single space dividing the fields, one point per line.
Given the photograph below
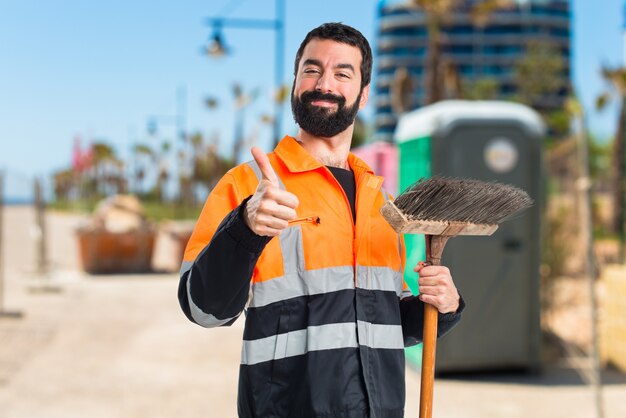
x=278 y=26
x=583 y=189
x=278 y=72
x=40 y=213
x=620 y=181
x=3 y=312
x=180 y=147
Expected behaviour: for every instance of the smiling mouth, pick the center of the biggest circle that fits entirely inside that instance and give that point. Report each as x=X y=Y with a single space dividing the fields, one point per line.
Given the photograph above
x=323 y=103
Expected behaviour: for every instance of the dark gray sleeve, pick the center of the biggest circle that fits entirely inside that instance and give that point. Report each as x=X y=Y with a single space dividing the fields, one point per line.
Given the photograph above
x=214 y=289
x=412 y=313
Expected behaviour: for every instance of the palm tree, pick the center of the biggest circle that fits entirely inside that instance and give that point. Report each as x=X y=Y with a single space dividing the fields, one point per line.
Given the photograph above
x=441 y=77
x=164 y=172
x=616 y=78
x=143 y=157
x=106 y=166
x=539 y=72
x=484 y=88
x=64 y=182
x=281 y=95
x=482 y=10
x=360 y=133
x=242 y=101
x=436 y=12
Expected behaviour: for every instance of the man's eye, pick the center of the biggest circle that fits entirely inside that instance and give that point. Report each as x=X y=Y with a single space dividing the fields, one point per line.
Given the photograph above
x=311 y=71
x=343 y=75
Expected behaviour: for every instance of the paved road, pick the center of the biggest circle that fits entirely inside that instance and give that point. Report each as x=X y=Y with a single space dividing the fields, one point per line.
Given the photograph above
x=118 y=346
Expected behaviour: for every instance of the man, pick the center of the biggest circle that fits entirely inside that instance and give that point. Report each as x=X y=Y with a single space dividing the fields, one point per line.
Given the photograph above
x=296 y=239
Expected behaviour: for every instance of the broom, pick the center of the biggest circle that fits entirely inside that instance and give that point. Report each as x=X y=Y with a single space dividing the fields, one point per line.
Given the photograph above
x=442 y=208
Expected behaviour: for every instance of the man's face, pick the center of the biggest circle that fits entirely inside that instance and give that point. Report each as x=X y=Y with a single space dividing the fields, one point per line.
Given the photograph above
x=327 y=94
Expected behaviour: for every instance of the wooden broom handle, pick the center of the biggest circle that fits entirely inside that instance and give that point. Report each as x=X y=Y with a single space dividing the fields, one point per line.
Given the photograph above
x=434 y=249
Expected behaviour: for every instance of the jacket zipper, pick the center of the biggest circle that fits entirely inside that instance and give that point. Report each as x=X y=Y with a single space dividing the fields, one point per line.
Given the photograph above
x=347 y=202
x=309 y=219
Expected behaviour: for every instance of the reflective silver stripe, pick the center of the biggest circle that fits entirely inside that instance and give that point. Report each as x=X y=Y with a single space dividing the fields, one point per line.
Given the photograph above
x=387 y=198
x=291 y=248
x=185 y=267
x=332 y=279
x=379 y=278
x=380 y=336
x=296 y=281
x=406 y=293
x=257 y=172
x=311 y=282
x=200 y=317
x=295 y=343
x=255 y=168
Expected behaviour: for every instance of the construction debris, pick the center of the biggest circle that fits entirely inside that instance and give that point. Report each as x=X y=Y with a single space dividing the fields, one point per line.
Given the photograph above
x=117 y=238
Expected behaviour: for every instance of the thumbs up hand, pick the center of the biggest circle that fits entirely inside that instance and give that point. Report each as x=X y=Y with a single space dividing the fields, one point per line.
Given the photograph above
x=270 y=209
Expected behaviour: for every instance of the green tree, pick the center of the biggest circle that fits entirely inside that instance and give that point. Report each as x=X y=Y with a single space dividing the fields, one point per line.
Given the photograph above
x=208 y=166
x=360 y=133
x=144 y=159
x=108 y=170
x=436 y=12
x=242 y=101
x=164 y=171
x=441 y=77
x=600 y=157
x=64 y=183
x=616 y=81
x=538 y=73
x=485 y=88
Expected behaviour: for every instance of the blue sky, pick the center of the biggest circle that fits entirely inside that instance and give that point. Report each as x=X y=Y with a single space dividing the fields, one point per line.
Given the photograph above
x=100 y=69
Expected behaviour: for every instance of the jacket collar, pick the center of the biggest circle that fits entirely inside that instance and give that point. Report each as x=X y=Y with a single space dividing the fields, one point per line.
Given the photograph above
x=298 y=160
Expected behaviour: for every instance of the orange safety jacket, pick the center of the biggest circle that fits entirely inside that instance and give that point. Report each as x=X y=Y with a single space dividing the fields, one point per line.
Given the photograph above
x=327 y=310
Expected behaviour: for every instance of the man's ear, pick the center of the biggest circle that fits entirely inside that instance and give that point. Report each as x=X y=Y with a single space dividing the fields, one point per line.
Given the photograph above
x=364 y=95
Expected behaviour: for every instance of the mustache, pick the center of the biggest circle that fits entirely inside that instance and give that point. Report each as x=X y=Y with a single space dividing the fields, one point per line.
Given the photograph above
x=311 y=96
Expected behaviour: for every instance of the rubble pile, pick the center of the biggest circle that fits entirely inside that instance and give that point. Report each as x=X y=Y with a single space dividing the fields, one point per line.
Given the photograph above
x=117 y=238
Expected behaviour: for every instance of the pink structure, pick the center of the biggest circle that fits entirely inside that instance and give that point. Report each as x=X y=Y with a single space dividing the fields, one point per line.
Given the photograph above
x=382 y=157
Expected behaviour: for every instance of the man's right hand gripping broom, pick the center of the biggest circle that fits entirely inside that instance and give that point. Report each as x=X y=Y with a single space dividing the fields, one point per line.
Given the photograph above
x=437 y=287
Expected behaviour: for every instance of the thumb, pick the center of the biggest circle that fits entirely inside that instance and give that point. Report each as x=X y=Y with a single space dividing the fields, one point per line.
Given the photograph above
x=264 y=165
x=420 y=266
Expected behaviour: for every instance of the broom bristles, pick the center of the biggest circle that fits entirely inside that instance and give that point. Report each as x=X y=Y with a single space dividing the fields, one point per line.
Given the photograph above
x=461 y=200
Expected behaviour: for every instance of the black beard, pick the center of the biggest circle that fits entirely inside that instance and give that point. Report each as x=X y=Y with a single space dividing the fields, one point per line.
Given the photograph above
x=322 y=121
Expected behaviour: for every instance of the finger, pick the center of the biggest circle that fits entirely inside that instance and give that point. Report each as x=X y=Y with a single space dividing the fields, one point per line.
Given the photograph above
x=427 y=298
x=430 y=287
x=428 y=281
x=272 y=210
x=271 y=222
x=420 y=266
x=270 y=207
x=283 y=213
x=434 y=271
x=431 y=300
x=443 y=305
x=284 y=198
x=263 y=162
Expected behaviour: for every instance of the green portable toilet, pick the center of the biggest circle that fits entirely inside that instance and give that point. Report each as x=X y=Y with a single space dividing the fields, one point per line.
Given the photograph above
x=498 y=276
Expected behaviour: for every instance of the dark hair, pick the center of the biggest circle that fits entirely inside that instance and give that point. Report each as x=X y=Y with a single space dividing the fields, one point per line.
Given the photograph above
x=345 y=34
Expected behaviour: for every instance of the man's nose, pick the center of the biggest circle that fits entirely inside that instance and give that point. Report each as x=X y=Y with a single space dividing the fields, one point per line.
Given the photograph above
x=325 y=83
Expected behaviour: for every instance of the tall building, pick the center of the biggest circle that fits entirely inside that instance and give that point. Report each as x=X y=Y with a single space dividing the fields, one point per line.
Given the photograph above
x=475 y=52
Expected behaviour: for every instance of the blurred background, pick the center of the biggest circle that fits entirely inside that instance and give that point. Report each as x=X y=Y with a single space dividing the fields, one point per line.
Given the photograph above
x=118 y=118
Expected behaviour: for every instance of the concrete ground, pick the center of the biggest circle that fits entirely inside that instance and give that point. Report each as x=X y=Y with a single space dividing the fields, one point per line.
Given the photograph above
x=119 y=346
